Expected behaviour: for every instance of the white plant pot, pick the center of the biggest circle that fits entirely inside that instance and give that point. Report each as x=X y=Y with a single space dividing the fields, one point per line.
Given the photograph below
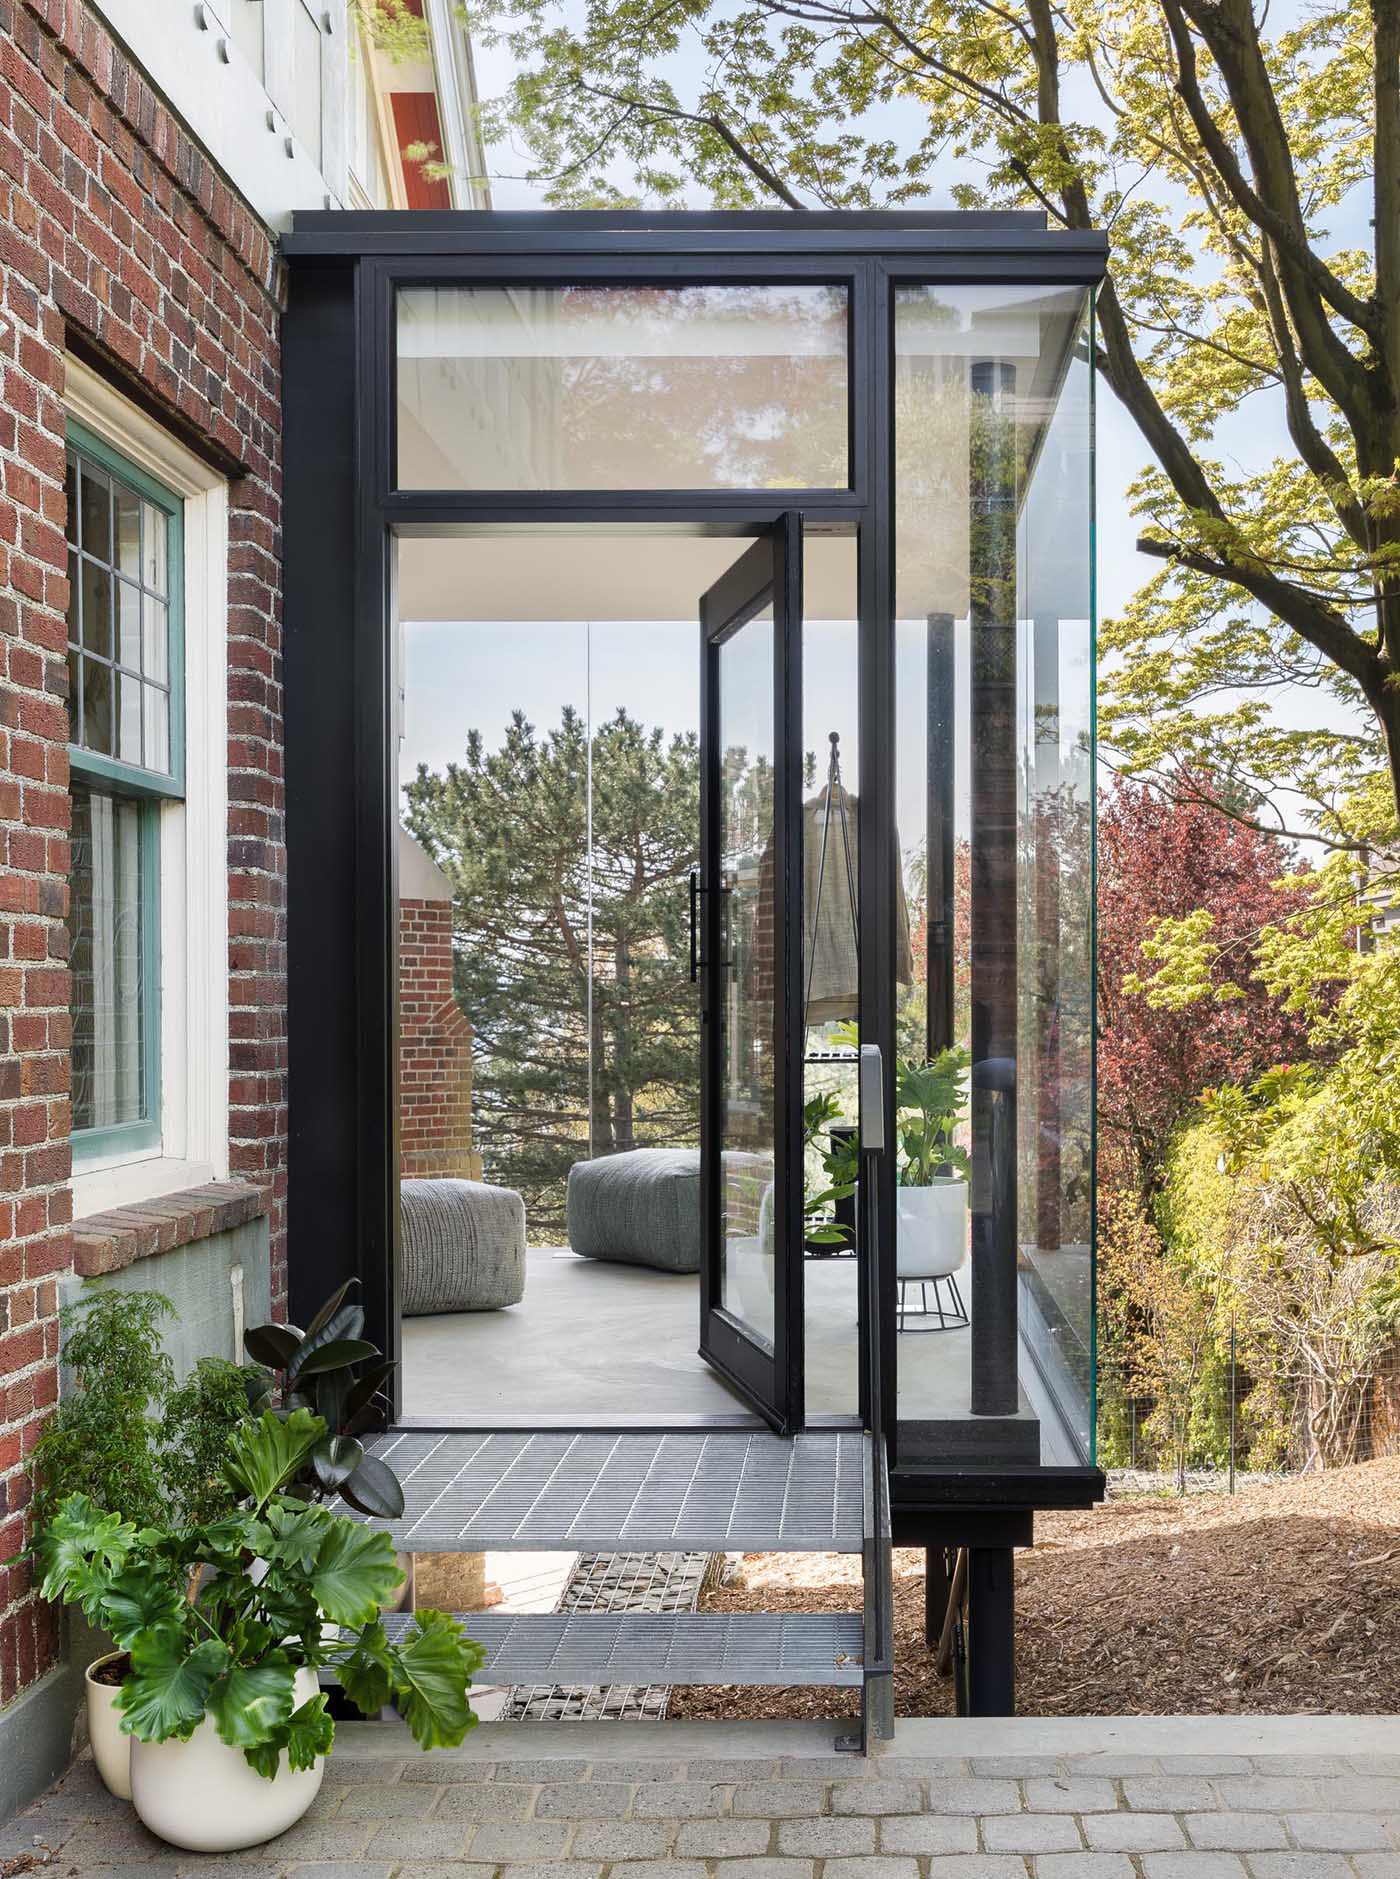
x=111 y=1749
x=933 y=1221
x=202 y=1794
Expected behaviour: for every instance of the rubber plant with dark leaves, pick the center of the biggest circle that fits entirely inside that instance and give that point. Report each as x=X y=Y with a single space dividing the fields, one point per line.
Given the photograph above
x=332 y=1370
x=218 y=1619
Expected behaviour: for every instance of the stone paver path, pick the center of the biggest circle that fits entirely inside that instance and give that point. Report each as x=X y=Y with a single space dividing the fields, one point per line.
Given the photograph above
x=497 y=1811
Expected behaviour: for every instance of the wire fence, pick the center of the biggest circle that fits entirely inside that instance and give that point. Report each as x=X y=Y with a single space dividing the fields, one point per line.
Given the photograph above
x=1231 y=1420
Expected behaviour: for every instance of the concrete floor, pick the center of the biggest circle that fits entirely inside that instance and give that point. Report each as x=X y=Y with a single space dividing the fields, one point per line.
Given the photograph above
x=591 y=1339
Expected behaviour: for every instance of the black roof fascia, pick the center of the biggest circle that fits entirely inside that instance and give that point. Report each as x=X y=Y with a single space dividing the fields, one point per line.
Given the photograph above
x=899 y=237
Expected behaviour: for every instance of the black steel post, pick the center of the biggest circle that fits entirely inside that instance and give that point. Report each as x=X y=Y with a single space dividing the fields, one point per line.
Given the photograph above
x=991 y=1593
x=992 y=591
x=939 y=861
x=937 y=1586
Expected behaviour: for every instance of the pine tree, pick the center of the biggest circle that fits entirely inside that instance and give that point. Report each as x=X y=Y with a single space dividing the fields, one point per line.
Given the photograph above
x=571 y=966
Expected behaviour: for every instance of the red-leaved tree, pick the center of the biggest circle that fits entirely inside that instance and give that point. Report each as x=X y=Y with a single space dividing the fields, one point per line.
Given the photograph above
x=1158 y=857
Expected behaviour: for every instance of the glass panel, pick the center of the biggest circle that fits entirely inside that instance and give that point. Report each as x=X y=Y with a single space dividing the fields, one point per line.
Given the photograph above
x=97 y=609
x=155 y=655
x=993 y=486
x=307 y=42
x=128 y=625
x=157 y=526
x=747 y=1121
x=70 y=496
x=157 y=729
x=730 y=387
x=831 y=1107
x=75 y=695
x=549 y=818
x=95 y=509
x=247 y=25
x=105 y=935
x=75 y=602
x=127 y=530
x=128 y=718
x=97 y=707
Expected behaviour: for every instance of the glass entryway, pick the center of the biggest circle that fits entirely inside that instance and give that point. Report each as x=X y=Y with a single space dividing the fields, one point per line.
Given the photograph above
x=719 y=708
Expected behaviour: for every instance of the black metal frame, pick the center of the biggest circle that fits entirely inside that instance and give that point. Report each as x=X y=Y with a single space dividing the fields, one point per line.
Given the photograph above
x=341 y=517
x=768 y=572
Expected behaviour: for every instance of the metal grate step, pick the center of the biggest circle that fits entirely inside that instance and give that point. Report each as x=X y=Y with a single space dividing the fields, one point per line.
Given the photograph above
x=733 y=1491
x=599 y=1648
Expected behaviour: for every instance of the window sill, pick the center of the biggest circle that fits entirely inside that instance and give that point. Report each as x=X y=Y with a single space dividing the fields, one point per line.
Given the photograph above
x=109 y=1242
x=128 y=1180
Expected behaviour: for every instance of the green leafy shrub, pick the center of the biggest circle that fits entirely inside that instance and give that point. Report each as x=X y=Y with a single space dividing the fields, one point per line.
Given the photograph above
x=125 y=1434
x=208 y=1635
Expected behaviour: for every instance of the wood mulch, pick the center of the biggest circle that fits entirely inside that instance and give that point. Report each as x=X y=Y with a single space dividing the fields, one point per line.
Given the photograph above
x=1280 y=1599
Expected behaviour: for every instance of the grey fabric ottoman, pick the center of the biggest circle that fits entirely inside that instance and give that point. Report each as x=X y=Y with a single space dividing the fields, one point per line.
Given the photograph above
x=641 y=1208
x=463 y=1247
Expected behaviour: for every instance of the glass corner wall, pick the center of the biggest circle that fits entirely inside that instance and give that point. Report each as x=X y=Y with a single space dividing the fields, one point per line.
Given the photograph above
x=994 y=810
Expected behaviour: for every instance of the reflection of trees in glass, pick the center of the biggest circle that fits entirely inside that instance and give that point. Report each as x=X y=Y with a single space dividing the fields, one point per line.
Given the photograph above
x=510 y=829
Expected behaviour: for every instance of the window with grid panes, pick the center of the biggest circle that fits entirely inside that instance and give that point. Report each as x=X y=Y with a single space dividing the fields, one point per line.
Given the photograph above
x=127 y=757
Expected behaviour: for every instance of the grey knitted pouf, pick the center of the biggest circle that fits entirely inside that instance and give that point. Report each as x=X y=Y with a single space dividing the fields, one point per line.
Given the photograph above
x=463 y=1247
x=641 y=1208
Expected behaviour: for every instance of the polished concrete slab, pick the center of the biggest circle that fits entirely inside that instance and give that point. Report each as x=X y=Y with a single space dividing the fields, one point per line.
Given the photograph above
x=592 y=1340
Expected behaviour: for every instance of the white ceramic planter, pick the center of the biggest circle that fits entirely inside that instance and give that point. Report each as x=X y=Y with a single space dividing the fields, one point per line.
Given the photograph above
x=932 y=1236
x=202 y=1794
x=111 y=1749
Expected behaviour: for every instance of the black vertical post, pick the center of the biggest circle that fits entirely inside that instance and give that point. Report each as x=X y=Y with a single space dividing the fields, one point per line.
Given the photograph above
x=938 y=1585
x=939 y=888
x=992 y=579
x=991 y=1596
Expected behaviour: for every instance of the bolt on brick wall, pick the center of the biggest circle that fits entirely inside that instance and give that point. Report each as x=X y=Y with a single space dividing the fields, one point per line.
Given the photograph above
x=119 y=239
x=435 y=1050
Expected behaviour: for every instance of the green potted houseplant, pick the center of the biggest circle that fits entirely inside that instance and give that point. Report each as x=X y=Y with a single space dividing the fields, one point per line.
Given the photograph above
x=931 y=1240
x=135 y=1442
x=226 y=1624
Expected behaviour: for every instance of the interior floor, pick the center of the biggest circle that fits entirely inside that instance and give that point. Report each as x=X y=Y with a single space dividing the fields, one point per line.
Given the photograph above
x=593 y=1340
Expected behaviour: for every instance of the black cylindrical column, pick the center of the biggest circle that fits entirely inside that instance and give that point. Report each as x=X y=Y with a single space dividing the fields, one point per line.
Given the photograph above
x=992 y=607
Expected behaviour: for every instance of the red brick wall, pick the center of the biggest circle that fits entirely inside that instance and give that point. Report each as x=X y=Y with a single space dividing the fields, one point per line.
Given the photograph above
x=435 y=1049
x=118 y=239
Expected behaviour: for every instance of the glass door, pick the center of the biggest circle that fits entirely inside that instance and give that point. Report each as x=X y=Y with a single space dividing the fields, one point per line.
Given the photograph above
x=747 y=933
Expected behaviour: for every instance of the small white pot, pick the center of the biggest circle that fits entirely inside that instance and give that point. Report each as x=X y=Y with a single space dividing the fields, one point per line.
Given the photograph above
x=111 y=1750
x=932 y=1237
x=202 y=1794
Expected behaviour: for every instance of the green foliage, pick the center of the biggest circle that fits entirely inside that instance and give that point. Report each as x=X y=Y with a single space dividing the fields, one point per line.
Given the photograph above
x=207 y=1636
x=1220 y=146
x=930 y=1102
x=125 y=1434
x=393 y=28
x=333 y=1373
x=578 y=1048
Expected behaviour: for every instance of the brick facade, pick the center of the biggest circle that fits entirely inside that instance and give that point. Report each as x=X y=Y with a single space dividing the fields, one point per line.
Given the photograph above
x=119 y=241
x=435 y=1050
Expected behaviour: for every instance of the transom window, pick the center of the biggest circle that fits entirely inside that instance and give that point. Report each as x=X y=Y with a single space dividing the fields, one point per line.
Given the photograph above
x=127 y=756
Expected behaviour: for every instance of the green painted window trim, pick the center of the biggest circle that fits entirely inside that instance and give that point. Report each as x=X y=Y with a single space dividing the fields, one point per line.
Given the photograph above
x=135 y=779
x=151 y=788
x=134 y=1138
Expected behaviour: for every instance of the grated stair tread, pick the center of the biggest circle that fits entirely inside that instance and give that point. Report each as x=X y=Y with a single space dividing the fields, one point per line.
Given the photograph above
x=729 y=1490
x=600 y=1648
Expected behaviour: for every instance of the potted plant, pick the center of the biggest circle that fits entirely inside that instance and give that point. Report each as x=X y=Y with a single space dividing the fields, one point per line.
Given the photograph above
x=132 y=1440
x=932 y=1169
x=226 y=1624
x=333 y=1370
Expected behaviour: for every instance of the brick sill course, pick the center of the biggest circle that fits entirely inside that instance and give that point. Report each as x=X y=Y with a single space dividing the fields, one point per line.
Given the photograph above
x=108 y=1242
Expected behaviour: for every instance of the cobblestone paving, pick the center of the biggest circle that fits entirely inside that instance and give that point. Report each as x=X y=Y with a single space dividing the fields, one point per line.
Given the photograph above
x=450 y=1816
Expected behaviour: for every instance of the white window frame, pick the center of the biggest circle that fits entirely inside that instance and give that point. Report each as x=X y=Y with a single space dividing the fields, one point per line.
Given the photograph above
x=193 y=1146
